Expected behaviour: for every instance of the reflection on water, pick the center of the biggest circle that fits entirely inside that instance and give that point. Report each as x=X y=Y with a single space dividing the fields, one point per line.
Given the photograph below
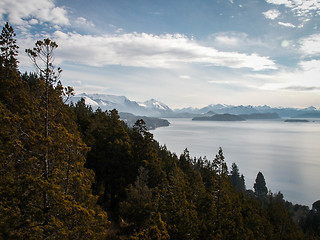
x=288 y=154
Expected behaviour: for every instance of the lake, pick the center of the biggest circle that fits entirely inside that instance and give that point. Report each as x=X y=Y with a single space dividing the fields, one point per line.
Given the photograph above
x=288 y=154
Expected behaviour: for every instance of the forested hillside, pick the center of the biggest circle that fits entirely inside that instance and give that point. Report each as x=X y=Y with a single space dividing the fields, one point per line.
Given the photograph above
x=68 y=172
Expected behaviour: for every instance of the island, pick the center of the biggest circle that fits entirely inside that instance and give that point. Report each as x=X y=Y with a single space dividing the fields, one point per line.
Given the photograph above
x=151 y=122
x=220 y=117
x=241 y=117
x=296 y=120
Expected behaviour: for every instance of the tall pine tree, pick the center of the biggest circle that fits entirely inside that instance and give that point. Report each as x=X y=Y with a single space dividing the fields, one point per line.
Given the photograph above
x=46 y=191
x=260 y=188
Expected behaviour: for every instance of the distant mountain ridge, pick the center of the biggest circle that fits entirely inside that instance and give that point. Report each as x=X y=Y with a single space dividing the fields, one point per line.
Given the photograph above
x=154 y=108
x=308 y=115
x=151 y=107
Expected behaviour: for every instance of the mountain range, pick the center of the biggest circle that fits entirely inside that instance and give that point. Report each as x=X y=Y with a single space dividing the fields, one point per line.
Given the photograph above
x=154 y=108
x=151 y=108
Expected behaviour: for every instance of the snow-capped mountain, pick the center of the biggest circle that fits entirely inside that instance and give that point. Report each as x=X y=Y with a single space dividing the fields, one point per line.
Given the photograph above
x=154 y=108
x=122 y=104
x=238 y=110
x=153 y=104
x=221 y=109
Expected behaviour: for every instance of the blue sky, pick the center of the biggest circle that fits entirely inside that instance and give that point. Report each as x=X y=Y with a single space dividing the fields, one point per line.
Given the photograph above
x=183 y=53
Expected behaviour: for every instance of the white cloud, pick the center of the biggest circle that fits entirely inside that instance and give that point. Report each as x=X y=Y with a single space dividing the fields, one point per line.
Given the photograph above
x=288 y=3
x=225 y=82
x=84 y=22
x=310 y=45
x=150 y=51
x=19 y=11
x=272 y=14
x=312 y=65
x=33 y=21
x=227 y=40
x=184 y=77
x=286 y=24
x=302 y=8
x=235 y=40
x=119 y=30
x=264 y=45
x=304 y=79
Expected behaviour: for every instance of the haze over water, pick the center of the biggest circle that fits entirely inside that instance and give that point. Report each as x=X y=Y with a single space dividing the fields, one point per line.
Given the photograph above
x=286 y=153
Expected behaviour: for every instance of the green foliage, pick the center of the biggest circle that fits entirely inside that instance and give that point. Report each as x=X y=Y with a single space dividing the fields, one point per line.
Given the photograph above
x=45 y=191
x=236 y=180
x=260 y=188
x=138 y=207
x=311 y=223
x=283 y=225
x=178 y=211
x=110 y=156
x=9 y=48
x=156 y=231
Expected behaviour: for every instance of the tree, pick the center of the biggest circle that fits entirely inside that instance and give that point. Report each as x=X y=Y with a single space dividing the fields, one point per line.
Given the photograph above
x=283 y=226
x=46 y=191
x=84 y=115
x=110 y=157
x=155 y=231
x=138 y=207
x=316 y=206
x=176 y=208
x=228 y=222
x=42 y=57
x=42 y=54
x=236 y=180
x=311 y=225
x=145 y=153
x=220 y=180
x=9 y=48
x=260 y=188
x=13 y=92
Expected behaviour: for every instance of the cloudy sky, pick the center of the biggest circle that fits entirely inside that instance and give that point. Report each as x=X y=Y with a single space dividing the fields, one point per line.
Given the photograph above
x=182 y=52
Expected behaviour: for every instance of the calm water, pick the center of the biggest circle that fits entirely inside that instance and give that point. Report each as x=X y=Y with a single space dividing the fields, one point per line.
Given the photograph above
x=288 y=154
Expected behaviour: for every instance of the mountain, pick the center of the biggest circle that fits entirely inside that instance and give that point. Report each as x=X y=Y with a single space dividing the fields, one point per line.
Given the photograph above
x=245 y=110
x=308 y=115
x=221 y=109
x=154 y=108
x=122 y=104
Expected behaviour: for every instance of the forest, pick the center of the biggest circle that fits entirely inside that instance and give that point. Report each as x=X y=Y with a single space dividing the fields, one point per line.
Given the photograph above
x=68 y=172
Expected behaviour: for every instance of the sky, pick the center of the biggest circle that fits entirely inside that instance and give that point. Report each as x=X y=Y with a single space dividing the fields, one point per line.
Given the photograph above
x=184 y=53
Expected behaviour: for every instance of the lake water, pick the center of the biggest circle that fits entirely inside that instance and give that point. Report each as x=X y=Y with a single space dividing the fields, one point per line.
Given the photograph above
x=288 y=154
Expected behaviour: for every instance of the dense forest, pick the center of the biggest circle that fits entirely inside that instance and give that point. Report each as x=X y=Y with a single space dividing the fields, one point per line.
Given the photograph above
x=68 y=172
